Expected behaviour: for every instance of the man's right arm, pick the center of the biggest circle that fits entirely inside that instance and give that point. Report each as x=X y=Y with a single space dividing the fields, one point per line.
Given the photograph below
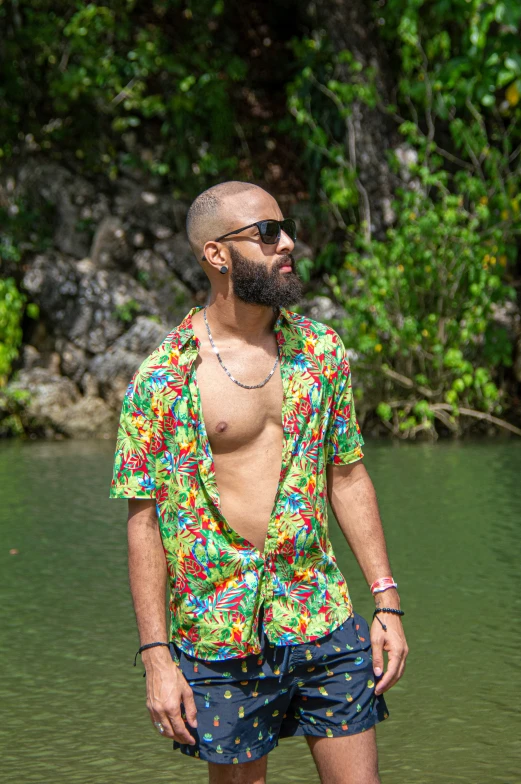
x=166 y=685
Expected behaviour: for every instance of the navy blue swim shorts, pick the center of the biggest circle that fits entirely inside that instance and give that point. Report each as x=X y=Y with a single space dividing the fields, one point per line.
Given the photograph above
x=245 y=705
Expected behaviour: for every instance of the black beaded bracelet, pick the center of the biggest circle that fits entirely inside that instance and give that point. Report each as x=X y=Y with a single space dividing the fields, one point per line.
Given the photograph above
x=386 y=609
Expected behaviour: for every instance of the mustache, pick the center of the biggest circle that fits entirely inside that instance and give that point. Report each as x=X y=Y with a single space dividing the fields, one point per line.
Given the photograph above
x=287 y=261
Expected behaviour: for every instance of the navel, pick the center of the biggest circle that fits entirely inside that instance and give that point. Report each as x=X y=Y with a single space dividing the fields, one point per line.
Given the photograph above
x=221 y=427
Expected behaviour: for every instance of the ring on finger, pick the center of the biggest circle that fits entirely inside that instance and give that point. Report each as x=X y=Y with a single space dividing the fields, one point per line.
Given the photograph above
x=159 y=727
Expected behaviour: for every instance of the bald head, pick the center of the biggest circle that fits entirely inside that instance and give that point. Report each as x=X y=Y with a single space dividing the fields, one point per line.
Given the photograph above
x=213 y=212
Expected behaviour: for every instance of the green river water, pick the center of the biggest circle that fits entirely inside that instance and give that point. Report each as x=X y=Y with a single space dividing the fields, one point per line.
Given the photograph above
x=72 y=705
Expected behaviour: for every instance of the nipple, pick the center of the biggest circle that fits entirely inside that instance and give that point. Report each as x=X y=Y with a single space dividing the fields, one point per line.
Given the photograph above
x=221 y=427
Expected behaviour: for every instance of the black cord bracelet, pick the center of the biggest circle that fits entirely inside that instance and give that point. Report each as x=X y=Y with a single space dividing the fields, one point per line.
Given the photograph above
x=386 y=609
x=150 y=645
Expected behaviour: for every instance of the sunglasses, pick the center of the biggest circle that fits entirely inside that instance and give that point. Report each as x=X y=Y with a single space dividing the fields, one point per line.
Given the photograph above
x=269 y=230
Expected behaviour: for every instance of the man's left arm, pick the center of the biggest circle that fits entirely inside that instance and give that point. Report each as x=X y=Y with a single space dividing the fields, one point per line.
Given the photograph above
x=353 y=500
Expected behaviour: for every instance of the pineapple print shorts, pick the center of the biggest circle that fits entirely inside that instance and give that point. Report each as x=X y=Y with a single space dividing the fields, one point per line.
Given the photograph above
x=244 y=706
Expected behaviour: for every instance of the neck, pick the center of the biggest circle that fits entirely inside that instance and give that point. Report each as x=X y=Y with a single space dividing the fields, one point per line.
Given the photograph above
x=234 y=318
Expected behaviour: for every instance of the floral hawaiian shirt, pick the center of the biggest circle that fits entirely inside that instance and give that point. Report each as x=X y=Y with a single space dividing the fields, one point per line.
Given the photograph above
x=218 y=579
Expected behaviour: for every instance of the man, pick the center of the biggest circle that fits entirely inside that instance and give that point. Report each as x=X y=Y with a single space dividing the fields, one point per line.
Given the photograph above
x=234 y=433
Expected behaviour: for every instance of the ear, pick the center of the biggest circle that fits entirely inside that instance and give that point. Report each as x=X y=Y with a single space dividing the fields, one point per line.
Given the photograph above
x=215 y=254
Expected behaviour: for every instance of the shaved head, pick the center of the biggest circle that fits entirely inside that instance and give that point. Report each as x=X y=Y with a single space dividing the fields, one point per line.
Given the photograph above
x=253 y=270
x=211 y=214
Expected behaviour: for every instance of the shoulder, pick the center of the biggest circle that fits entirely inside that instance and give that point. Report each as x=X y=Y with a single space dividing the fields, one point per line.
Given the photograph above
x=321 y=338
x=161 y=368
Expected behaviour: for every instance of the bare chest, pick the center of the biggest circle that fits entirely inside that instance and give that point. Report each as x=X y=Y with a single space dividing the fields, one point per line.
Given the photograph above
x=233 y=416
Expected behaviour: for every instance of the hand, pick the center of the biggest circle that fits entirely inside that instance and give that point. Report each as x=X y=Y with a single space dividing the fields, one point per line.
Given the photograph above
x=167 y=688
x=393 y=641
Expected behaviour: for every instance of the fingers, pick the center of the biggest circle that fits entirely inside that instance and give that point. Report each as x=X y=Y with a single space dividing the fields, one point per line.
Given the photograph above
x=390 y=677
x=180 y=732
x=165 y=707
x=167 y=689
x=403 y=663
x=395 y=668
x=377 y=645
x=189 y=706
x=172 y=721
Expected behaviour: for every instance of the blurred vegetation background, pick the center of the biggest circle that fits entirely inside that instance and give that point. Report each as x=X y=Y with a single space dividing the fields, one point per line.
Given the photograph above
x=390 y=130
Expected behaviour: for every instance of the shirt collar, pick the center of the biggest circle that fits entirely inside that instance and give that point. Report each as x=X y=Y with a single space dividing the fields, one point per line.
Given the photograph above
x=186 y=331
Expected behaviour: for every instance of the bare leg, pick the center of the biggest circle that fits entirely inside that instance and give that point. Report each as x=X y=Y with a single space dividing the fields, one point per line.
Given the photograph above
x=352 y=759
x=243 y=773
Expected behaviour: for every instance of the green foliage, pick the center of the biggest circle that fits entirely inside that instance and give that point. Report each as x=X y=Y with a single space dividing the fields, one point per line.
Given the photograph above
x=127 y=311
x=420 y=304
x=453 y=53
x=320 y=98
x=92 y=80
x=163 y=87
x=420 y=309
x=13 y=416
x=22 y=229
x=12 y=303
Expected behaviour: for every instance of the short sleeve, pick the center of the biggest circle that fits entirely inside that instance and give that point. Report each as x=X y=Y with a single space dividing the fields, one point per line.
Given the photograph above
x=134 y=474
x=344 y=440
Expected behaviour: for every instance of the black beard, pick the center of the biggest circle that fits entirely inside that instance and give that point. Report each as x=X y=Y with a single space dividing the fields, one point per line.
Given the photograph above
x=256 y=283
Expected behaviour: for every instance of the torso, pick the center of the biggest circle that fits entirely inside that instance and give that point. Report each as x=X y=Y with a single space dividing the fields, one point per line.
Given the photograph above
x=244 y=428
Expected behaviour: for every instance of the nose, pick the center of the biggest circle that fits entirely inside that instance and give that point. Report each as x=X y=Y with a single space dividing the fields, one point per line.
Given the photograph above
x=285 y=243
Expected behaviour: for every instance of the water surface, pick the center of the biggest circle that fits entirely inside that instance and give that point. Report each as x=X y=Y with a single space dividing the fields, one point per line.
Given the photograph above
x=73 y=706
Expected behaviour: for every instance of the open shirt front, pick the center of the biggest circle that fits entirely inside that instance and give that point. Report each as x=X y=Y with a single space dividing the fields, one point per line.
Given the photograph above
x=218 y=579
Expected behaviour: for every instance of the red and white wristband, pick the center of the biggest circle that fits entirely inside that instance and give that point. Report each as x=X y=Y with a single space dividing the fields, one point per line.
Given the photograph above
x=382 y=584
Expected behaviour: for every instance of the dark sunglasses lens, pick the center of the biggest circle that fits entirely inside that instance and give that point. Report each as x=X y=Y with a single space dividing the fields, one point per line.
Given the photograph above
x=290 y=227
x=269 y=231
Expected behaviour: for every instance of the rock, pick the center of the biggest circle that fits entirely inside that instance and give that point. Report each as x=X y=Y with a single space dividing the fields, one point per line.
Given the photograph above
x=109 y=246
x=180 y=258
x=322 y=309
x=76 y=201
x=74 y=360
x=407 y=158
x=174 y=299
x=146 y=210
x=31 y=357
x=56 y=406
x=50 y=394
x=506 y=315
x=50 y=387
x=90 y=417
x=114 y=368
x=162 y=232
x=150 y=268
x=90 y=385
x=89 y=307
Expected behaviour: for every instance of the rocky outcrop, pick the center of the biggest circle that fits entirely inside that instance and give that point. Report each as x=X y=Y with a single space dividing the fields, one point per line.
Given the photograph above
x=119 y=276
x=76 y=203
x=114 y=368
x=56 y=406
x=86 y=305
x=180 y=259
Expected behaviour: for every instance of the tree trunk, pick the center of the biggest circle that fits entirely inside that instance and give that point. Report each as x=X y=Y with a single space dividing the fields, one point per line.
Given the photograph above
x=350 y=26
